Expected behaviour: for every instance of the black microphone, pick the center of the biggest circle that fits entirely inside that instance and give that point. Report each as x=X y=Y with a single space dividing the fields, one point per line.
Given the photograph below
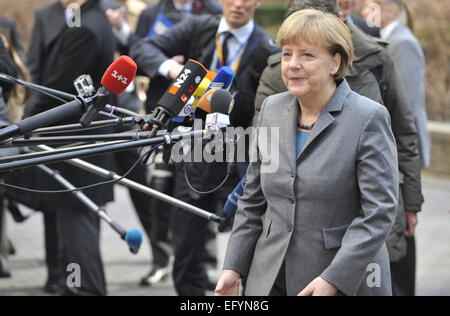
x=43 y=119
x=176 y=97
x=243 y=109
x=240 y=107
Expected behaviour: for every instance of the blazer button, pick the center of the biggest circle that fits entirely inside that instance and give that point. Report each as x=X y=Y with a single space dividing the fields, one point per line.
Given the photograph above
x=292 y=200
x=290 y=227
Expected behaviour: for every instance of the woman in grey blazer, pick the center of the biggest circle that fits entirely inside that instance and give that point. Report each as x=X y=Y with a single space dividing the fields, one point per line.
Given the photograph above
x=316 y=224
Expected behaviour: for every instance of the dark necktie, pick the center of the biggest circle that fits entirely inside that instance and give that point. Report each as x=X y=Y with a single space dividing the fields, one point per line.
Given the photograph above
x=228 y=35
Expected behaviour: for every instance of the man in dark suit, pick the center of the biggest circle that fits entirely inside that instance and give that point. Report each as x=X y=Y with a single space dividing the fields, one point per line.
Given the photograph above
x=195 y=38
x=152 y=21
x=59 y=52
x=157 y=19
x=8 y=67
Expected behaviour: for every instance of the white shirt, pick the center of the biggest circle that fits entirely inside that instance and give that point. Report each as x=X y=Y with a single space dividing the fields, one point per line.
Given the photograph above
x=238 y=41
x=187 y=7
x=387 y=30
x=240 y=38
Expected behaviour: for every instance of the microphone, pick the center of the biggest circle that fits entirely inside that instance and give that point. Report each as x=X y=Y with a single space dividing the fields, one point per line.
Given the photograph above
x=221 y=102
x=117 y=85
x=134 y=239
x=222 y=80
x=242 y=109
x=178 y=94
x=116 y=79
x=191 y=105
x=231 y=204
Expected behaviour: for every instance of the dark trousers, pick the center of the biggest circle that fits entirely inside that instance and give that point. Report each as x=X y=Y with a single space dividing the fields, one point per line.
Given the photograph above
x=403 y=272
x=79 y=234
x=4 y=249
x=190 y=234
x=148 y=210
x=72 y=236
x=52 y=248
x=189 y=237
x=161 y=214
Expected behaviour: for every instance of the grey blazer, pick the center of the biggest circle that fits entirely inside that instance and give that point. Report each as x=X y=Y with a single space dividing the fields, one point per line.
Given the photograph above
x=326 y=212
x=410 y=62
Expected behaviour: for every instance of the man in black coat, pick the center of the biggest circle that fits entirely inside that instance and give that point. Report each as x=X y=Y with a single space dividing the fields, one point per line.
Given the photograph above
x=195 y=38
x=151 y=22
x=8 y=67
x=59 y=52
x=156 y=19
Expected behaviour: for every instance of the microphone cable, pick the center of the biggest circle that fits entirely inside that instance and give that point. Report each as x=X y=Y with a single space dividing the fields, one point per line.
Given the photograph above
x=206 y=192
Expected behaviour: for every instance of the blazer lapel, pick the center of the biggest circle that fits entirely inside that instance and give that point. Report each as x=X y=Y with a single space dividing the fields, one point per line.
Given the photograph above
x=288 y=131
x=326 y=118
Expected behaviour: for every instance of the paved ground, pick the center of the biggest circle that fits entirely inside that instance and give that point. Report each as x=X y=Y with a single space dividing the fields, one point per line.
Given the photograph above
x=123 y=270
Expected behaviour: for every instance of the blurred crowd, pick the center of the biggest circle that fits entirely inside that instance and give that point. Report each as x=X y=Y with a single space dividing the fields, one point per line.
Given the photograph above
x=388 y=67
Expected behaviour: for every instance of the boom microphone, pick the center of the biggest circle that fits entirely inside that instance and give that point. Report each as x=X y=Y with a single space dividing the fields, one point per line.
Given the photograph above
x=231 y=204
x=222 y=80
x=194 y=100
x=178 y=94
x=240 y=107
x=116 y=79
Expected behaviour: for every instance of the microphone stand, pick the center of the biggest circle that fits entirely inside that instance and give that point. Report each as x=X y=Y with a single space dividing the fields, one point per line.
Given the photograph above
x=139 y=187
x=55 y=151
x=95 y=151
x=70 y=139
x=83 y=198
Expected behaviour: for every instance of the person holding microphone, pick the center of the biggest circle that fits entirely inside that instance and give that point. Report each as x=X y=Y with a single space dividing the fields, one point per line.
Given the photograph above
x=318 y=224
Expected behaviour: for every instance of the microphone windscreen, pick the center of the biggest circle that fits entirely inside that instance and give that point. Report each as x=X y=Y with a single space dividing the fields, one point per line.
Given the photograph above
x=183 y=87
x=134 y=239
x=231 y=204
x=223 y=79
x=243 y=109
x=221 y=101
x=119 y=74
x=205 y=101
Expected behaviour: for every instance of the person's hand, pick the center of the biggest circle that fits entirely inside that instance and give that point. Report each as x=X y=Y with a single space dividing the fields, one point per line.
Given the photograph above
x=116 y=17
x=179 y=59
x=411 y=220
x=4 y=40
x=319 y=287
x=175 y=70
x=228 y=284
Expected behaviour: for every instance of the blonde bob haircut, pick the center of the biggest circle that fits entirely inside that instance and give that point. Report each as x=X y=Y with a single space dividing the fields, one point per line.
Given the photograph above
x=319 y=29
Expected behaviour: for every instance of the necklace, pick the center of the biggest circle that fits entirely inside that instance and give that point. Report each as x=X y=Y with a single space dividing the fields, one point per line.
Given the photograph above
x=308 y=127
